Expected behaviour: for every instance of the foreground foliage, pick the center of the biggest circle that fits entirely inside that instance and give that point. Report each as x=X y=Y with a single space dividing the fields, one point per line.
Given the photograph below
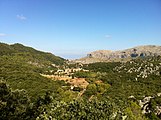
x=17 y=105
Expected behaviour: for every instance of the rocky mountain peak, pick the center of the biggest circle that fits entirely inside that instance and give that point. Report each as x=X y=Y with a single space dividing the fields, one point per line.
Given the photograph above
x=108 y=55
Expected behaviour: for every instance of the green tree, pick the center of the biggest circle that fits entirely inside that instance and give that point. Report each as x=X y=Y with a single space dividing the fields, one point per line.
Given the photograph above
x=133 y=112
x=13 y=104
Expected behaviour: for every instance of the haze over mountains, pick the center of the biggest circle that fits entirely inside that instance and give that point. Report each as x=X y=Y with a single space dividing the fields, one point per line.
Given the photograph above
x=95 y=56
x=121 y=55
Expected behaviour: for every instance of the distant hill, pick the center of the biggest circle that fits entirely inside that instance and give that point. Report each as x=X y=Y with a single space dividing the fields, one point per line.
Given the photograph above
x=29 y=53
x=121 y=55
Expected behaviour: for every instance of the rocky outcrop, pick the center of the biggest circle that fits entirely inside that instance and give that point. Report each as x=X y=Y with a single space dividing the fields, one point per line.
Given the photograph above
x=141 y=51
x=107 y=55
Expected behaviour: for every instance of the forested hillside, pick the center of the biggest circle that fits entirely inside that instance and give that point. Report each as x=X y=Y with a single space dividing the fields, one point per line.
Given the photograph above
x=20 y=67
x=29 y=53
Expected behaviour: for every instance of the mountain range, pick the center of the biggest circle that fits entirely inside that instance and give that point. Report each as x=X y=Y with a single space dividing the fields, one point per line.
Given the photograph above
x=121 y=55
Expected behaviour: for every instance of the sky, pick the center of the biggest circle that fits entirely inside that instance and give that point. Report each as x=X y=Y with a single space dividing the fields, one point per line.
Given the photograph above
x=73 y=28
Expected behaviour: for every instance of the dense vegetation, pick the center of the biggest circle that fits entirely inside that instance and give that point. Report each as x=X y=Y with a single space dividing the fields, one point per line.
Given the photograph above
x=17 y=105
x=29 y=54
x=136 y=79
x=20 y=67
x=115 y=91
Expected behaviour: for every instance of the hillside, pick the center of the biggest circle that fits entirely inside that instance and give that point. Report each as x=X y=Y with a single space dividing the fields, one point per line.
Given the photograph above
x=121 y=55
x=20 y=67
x=29 y=53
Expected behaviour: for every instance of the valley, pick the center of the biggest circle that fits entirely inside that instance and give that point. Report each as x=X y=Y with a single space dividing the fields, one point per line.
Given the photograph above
x=39 y=85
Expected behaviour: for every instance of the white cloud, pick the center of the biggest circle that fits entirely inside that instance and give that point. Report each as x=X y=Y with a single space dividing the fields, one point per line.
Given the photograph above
x=3 y=34
x=21 y=17
x=108 y=36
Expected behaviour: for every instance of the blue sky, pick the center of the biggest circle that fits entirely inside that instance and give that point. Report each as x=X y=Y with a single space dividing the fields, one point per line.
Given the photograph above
x=72 y=28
